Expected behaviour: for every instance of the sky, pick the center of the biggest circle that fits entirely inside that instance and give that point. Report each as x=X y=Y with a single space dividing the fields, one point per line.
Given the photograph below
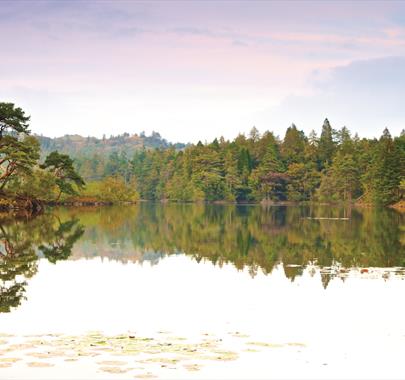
x=196 y=70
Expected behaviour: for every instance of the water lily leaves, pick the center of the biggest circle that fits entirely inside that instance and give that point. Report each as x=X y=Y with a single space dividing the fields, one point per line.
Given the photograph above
x=5 y=335
x=226 y=355
x=45 y=355
x=164 y=351
x=237 y=334
x=250 y=350
x=9 y=360
x=115 y=369
x=112 y=362
x=20 y=346
x=265 y=344
x=162 y=360
x=294 y=344
x=147 y=375
x=192 y=367
x=40 y=364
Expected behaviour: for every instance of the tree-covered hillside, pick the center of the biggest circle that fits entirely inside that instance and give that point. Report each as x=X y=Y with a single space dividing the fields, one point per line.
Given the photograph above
x=78 y=145
x=94 y=156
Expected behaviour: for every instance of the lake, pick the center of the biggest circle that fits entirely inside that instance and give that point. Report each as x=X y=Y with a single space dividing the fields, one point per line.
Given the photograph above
x=203 y=291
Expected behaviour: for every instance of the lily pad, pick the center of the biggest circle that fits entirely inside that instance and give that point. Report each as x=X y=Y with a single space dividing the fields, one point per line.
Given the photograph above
x=115 y=369
x=264 y=344
x=112 y=362
x=192 y=367
x=147 y=375
x=296 y=344
x=9 y=360
x=40 y=364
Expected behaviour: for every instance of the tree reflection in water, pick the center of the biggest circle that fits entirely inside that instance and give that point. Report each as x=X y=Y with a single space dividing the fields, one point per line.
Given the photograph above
x=253 y=237
x=23 y=239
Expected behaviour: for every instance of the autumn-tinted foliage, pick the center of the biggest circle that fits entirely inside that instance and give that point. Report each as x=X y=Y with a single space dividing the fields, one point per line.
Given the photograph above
x=334 y=167
x=261 y=167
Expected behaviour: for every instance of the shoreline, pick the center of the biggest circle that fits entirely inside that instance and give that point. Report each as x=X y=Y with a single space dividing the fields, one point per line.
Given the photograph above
x=8 y=204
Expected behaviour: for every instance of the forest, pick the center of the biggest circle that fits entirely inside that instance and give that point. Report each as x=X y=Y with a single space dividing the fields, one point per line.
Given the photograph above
x=334 y=167
x=260 y=167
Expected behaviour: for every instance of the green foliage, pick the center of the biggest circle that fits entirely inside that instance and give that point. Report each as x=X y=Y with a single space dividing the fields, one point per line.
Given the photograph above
x=64 y=237
x=293 y=146
x=114 y=189
x=303 y=181
x=21 y=176
x=12 y=120
x=111 y=189
x=17 y=157
x=326 y=145
x=250 y=238
x=61 y=165
x=333 y=167
x=340 y=181
x=383 y=176
x=22 y=241
x=38 y=184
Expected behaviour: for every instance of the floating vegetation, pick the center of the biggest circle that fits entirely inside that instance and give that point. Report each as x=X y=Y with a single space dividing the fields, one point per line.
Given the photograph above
x=20 y=346
x=147 y=375
x=139 y=354
x=40 y=364
x=237 y=334
x=115 y=369
x=112 y=362
x=45 y=355
x=192 y=367
x=264 y=344
x=294 y=344
x=226 y=355
x=9 y=360
x=4 y=335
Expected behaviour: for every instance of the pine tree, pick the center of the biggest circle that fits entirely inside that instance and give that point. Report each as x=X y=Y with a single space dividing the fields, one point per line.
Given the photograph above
x=385 y=170
x=326 y=145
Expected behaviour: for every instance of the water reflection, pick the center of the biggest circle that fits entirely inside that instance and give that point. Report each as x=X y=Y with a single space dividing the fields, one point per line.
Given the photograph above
x=253 y=237
x=23 y=239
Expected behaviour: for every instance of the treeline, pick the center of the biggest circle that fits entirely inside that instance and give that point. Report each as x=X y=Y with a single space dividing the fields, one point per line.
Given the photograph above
x=335 y=166
x=260 y=167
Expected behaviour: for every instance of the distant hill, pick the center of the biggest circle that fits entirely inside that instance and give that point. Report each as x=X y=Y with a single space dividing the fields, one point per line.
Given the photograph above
x=79 y=146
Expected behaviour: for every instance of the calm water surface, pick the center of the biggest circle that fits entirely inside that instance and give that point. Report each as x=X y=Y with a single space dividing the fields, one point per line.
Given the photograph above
x=326 y=282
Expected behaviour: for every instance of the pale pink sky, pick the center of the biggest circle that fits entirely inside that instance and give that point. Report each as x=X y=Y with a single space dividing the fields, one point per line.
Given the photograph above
x=196 y=70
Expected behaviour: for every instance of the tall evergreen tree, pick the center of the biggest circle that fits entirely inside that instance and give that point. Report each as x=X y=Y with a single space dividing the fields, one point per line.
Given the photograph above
x=326 y=145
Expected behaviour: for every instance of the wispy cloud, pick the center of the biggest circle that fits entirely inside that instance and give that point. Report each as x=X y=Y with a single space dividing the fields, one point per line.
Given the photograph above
x=216 y=63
